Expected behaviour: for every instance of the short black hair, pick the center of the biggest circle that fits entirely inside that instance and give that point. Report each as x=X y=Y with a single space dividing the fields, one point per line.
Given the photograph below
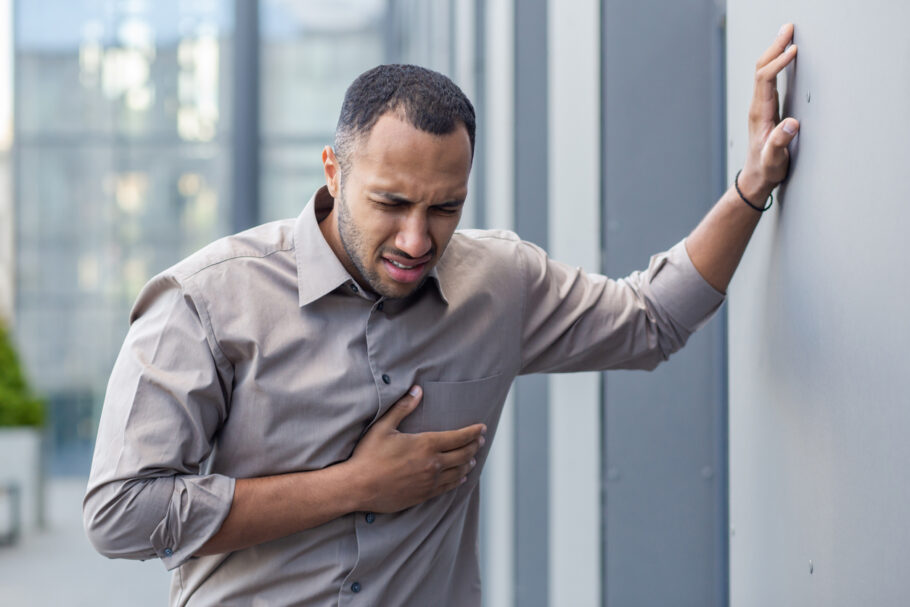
x=427 y=100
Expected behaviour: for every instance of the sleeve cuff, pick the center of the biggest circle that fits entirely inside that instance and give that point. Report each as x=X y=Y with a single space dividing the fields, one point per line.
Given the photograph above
x=198 y=507
x=680 y=289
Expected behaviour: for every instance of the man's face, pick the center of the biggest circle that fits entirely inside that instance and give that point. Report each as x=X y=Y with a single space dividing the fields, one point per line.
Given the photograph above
x=399 y=203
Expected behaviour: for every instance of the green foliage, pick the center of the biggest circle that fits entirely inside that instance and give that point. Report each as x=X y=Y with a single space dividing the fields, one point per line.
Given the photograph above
x=18 y=405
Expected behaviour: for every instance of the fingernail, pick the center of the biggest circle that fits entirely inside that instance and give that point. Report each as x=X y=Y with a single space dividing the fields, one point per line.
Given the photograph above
x=414 y=391
x=782 y=28
x=481 y=441
x=463 y=480
x=473 y=462
x=789 y=128
x=483 y=430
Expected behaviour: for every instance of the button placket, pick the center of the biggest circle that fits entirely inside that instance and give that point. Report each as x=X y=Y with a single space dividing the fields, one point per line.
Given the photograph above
x=366 y=526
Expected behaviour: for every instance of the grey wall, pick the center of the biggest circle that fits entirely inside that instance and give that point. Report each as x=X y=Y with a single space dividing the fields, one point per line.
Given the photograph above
x=531 y=405
x=664 y=432
x=819 y=413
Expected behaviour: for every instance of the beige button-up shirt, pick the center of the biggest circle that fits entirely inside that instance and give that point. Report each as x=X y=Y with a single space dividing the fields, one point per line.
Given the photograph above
x=260 y=355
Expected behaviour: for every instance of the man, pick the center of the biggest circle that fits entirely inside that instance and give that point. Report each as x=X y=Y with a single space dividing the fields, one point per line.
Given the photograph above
x=300 y=412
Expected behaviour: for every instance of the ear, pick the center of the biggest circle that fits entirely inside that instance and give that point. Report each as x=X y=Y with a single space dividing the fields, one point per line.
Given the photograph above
x=332 y=171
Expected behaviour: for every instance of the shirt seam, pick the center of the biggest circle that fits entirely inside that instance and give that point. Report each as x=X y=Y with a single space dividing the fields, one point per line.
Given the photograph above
x=490 y=235
x=203 y=307
x=522 y=303
x=239 y=256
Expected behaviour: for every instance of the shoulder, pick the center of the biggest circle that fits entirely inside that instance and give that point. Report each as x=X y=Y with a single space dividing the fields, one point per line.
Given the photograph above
x=483 y=261
x=497 y=245
x=497 y=249
x=256 y=243
x=228 y=261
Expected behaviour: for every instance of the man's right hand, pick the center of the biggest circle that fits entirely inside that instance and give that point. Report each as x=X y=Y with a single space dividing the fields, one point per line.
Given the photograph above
x=389 y=471
x=394 y=470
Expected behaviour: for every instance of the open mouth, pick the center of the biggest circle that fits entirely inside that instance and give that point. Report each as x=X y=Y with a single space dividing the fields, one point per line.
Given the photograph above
x=402 y=266
x=405 y=270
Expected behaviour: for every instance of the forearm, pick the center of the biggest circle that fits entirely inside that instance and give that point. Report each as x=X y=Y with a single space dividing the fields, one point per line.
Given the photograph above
x=717 y=244
x=268 y=508
x=719 y=241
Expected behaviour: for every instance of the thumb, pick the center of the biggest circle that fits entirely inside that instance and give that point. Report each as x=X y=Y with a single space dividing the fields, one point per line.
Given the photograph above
x=784 y=133
x=775 y=155
x=404 y=407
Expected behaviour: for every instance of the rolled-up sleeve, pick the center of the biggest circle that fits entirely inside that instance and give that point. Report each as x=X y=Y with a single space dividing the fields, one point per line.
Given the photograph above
x=168 y=395
x=575 y=321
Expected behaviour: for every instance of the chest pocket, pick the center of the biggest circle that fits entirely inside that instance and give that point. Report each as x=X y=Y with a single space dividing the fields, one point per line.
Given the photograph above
x=449 y=405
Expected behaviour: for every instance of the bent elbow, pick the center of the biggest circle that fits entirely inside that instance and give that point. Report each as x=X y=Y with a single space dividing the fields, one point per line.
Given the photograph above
x=114 y=523
x=100 y=520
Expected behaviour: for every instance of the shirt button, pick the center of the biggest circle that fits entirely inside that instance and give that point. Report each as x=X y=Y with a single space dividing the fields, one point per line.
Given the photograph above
x=353 y=287
x=370 y=518
x=168 y=552
x=355 y=587
x=379 y=306
x=386 y=379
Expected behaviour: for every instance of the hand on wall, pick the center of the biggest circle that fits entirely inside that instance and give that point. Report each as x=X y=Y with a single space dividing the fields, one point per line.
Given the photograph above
x=768 y=159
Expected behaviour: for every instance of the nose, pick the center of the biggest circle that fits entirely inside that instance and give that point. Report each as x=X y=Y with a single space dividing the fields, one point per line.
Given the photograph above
x=413 y=235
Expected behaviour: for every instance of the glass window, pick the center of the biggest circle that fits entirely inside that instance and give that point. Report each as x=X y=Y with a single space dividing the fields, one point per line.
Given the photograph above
x=123 y=151
x=310 y=53
x=124 y=154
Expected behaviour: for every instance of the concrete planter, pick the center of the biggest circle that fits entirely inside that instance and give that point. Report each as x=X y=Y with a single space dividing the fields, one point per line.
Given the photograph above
x=20 y=466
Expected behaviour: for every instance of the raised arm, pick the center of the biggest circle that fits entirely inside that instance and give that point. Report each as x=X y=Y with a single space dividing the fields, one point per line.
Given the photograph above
x=717 y=244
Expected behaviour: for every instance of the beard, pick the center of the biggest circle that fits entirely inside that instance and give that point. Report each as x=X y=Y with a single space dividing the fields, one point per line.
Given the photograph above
x=352 y=241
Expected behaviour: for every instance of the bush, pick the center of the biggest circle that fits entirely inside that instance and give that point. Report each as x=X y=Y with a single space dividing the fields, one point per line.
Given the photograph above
x=18 y=405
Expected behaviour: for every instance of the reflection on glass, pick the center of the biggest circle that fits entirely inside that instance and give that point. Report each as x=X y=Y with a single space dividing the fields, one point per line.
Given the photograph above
x=122 y=170
x=197 y=85
x=7 y=255
x=123 y=154
x=311 y=51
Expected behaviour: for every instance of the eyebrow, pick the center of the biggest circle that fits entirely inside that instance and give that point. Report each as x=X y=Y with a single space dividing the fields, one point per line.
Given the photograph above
x=402 y=200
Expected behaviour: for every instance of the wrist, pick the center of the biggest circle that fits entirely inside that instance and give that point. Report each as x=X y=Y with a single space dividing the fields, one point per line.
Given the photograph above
x=357 y=491
x=754 y=187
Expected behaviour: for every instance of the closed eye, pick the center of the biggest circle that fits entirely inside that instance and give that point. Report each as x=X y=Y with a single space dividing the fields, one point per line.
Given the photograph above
x=387 y=204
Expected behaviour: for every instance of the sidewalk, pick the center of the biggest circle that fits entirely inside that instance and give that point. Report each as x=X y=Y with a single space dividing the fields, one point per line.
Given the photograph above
x=58 y=567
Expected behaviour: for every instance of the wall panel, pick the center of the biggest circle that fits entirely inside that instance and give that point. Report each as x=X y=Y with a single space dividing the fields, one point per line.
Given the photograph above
x=819 y=413
x=664 y=434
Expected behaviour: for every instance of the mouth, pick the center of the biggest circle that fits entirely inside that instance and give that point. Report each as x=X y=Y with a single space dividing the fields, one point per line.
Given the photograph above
x=406 y=270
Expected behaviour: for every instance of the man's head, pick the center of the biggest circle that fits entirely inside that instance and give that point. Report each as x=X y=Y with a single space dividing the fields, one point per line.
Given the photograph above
x=399 y=171
x=425 y=99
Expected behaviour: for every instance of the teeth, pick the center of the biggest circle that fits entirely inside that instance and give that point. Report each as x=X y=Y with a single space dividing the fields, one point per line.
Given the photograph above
x=402 y=266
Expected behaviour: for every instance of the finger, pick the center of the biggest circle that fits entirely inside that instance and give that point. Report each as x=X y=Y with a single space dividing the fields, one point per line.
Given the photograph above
x=773 y=68
x=459 y=457
x=404 y=407
x=455 y=439
x=455 y=474
x=779 y=139
x=449 y=485
x=766 y=77
x=784 y=36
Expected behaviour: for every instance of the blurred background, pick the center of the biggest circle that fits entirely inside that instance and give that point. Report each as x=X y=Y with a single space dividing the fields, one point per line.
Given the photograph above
x=134 y=132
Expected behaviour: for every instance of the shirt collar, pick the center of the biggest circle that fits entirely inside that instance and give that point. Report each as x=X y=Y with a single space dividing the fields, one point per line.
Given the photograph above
x=319 y=271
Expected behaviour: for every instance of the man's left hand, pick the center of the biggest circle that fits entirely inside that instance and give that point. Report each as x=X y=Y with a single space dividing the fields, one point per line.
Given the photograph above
x=768 y=158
